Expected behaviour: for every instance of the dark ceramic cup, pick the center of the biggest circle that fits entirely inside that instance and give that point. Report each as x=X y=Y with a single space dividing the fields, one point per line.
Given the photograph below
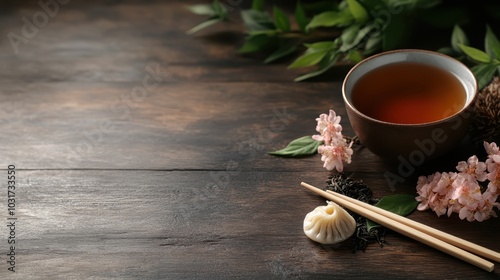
x=414 y=143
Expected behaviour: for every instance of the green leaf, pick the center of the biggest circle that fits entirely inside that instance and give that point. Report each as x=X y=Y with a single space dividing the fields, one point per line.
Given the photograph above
x=263 y=32
x=349 y=34
x=281 y=20
x=284 y=50
x=326 y=63
x=256 y=20
x=360 y=36
x=401 y=204
x=458 y=38
x=484 y=74
x=220 y=10
x=308 y=59
x=255 y=43
x=491 y=44
x=357 y=10
x=202 y=10
x=300 y=17
x=475 y=54
x=258 y=5
x=302 y=146
x=211 y=21
x=372 y=44
x=329 y=19
x=354 y=56
x=320 y=46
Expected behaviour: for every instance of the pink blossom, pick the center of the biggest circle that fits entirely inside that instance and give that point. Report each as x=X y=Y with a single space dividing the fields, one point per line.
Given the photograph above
x=473 y=167
x=466 y=192
x=329 y=127
x=434 y=192
x=493 y=167
x=461 y=192
x=334 y=155
x=491 y=148
x=335 y=149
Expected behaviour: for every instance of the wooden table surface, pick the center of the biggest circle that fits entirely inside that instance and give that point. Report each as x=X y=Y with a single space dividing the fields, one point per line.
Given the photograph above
x=141 y=153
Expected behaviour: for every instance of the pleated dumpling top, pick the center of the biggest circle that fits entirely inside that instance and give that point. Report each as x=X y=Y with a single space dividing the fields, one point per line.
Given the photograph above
x=329 y=224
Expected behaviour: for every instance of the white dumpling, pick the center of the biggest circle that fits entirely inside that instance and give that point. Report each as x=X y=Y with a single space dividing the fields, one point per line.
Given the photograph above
x=329 y=224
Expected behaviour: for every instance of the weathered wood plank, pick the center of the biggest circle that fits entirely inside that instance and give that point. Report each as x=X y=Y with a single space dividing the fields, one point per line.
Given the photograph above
x=147 y=224
x=113 y=42
x=176 y=125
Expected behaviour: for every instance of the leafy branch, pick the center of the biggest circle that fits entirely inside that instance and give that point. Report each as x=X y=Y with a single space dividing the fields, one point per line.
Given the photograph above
x=356 y=28
x=484 y=63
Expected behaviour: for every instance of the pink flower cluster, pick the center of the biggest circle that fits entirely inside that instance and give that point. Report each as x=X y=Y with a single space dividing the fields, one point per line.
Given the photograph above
x=335 y=149
x=472 y=192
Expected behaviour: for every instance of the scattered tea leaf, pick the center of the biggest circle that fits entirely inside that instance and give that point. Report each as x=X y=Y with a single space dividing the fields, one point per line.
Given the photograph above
x=302 y=146
x=475 y=54
x=400 y=204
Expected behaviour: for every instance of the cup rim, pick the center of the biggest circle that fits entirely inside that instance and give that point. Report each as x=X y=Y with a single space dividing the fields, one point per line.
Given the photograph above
x=359 y=64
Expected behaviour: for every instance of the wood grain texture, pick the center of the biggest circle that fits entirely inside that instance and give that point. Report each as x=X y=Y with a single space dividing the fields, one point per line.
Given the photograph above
x=173 y=225
x=142 y=154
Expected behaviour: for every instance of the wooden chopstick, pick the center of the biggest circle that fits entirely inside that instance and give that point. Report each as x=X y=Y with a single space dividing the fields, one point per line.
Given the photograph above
x=406 y=230
x=459 y=242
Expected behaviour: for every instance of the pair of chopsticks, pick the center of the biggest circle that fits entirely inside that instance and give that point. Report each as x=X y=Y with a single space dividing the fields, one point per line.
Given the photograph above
x=437 y=239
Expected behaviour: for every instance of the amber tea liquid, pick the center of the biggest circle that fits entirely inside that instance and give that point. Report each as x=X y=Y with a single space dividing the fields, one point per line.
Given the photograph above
x=408 y=93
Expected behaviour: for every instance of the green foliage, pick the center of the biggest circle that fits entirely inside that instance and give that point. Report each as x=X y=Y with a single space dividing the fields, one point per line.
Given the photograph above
x=300 y=17
x=458 y=38
x=216 y=13
x=358 y=28
x=400 y=204
x=357 y=10
x=281 y=20
x=485 y=64
x=257 y=20
x=491 y=44
x=302 y=146
x=331 y=19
